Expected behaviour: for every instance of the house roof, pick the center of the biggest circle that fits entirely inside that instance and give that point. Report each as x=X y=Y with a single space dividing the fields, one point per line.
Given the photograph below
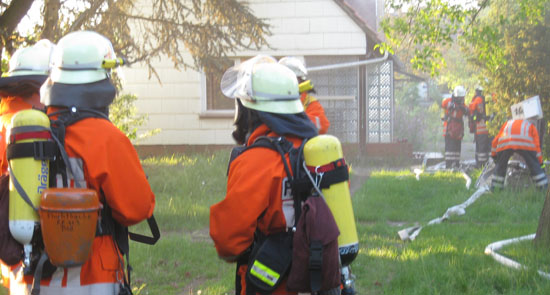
x=360 y=12
x=363 y=14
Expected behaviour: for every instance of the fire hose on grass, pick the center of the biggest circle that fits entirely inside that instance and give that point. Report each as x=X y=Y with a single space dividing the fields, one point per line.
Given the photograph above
x=492 y=248
x=440 y=167
x=483 y=183
x=410 y=233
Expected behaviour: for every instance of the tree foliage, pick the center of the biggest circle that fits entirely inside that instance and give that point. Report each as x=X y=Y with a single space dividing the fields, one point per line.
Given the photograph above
x=504 y=44
x=416 y=121
x=506 y=41
x=144 y=30
x=125 y=116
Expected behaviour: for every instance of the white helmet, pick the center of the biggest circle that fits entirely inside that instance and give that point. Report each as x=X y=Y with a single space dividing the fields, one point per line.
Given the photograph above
x=479 y=88
x=459 y=91
x=79 y=58
x=296 y=65
x=33 y=60
x=262 y=84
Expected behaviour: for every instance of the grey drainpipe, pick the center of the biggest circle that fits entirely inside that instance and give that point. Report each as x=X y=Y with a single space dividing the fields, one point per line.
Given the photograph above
x=349 y=64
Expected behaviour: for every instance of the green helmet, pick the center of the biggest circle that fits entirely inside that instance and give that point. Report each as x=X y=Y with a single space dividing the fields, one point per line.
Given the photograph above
x=263 y=85
x=79 y=58
x=33 y=60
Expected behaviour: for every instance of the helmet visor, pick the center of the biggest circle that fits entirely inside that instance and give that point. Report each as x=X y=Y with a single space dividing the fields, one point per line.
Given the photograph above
x=236 y=81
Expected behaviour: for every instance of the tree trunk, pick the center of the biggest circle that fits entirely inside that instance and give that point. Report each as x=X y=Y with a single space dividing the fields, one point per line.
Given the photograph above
x=10 y=19
x=51 y=19
x=542 y=238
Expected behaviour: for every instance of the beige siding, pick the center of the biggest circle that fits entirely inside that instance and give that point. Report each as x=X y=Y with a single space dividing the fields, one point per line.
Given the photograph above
x=307 y=27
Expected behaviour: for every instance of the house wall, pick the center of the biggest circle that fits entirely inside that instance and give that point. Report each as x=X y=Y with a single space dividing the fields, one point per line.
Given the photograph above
x=177 y=104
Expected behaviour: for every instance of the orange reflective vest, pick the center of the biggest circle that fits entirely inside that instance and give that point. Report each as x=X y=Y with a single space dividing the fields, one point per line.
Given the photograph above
x=109 y=164
x=457 y=113
x=478 y=105
x=255 y=200
x=517 y=135
x=315 y=112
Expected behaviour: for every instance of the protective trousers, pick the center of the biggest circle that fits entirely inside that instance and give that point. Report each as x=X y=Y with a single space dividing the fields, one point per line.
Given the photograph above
x=483 y=148
x=452 y=152
x=537 y=174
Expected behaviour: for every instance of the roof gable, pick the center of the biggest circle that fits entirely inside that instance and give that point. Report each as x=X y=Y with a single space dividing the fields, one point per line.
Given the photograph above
x=363 y=13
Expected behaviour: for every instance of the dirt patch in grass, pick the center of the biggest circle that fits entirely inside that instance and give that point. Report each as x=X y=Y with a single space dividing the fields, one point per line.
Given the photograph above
x=191 y=288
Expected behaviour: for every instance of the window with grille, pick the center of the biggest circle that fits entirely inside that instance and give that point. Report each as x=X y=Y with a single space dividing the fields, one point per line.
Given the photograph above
x=337 y=92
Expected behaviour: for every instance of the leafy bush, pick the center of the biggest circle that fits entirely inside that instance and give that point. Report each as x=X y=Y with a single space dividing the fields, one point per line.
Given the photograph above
x=123 y=113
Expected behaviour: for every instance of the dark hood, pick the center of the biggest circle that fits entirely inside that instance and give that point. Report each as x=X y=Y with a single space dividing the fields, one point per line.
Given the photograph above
x=97 y=95
x=289 y=124
x=21 y=85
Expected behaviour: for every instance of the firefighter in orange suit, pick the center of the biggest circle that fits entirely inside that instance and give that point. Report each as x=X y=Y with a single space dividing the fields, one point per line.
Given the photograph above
x=101 y=158
x=20 y=90
x=267 y=104
x=453 y=126
x=312 y=106
x=518 y=136
x=478 y=121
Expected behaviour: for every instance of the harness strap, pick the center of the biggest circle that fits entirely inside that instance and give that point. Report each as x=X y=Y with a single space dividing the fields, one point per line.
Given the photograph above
x=334 y=172
x=153 y=226
x=15 y=137
x=38 y=274
x=327 y=167
x=39 y=150
x=315 y=265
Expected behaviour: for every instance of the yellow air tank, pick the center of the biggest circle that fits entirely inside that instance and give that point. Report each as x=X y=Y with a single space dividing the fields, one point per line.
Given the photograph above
x=32 y=175
x=324 y=153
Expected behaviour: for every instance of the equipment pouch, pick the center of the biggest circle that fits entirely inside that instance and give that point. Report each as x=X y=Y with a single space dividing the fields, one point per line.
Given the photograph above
x=270 y=263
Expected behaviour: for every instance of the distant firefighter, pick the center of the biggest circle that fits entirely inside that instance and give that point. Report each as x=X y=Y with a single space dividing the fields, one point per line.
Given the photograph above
x=312 y=106
x=453 y=126
x=478 y=126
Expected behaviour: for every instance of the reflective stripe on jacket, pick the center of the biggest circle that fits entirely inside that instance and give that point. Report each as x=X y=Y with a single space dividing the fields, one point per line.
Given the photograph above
x=256 y=199
x=109 y=163
x=518 y=135
x=315 y=112
x=478 y=106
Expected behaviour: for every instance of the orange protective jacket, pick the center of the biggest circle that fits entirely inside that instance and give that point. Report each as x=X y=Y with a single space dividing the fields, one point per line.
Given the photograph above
x=478 y=105
x=457 y=113
x=110 y=165
x=314 y=110
x=8 y=107
x=255 y=199
x=517 y=135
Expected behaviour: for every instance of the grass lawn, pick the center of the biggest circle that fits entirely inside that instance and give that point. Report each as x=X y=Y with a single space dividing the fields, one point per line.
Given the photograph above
x=447 y=258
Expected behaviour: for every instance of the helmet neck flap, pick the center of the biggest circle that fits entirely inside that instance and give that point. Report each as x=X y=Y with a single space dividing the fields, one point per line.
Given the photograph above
x=96 y=95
